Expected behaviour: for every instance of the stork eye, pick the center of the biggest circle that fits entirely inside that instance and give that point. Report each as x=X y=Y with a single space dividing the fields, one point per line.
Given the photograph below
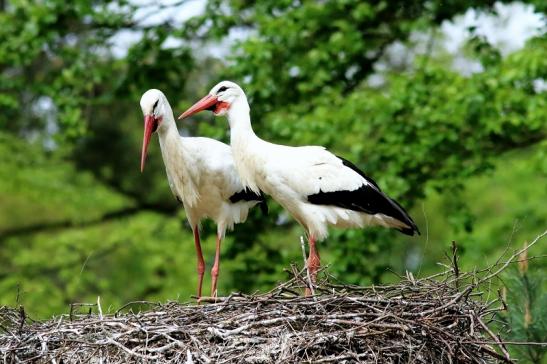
x=223 y=88
x=155 y=104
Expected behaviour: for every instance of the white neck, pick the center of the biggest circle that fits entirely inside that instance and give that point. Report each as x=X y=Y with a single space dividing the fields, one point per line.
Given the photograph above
x=240 y=119
x=167 y=126
x=169 y=137
x=167 y=130
x=178 y=162
x=246 y=146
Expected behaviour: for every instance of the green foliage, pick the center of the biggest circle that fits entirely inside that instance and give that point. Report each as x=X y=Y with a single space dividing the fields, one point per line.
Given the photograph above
x=61 y=51
x=321 y=41
x=526 y=310
x=54 y=49
x=41 y=189
x=121 y=260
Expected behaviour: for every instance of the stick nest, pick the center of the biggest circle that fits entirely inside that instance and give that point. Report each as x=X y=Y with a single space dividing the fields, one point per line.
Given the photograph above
x=431 y=320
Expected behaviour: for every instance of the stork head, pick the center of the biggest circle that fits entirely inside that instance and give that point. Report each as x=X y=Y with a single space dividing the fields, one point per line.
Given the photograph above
x=154 y=106
x=219 y=100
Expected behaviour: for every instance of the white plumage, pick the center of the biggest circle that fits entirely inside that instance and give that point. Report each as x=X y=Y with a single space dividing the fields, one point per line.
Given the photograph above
x=201 y=175
x=316 y=187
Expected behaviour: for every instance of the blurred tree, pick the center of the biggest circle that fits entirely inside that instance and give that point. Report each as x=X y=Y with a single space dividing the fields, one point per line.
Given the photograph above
x=53 y=50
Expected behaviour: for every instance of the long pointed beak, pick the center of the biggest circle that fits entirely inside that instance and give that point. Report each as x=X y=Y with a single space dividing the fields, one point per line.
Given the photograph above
x=150 y=125
x=205 y=103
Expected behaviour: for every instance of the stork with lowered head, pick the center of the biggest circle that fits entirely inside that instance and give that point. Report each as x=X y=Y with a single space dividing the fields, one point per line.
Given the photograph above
x=201 y=175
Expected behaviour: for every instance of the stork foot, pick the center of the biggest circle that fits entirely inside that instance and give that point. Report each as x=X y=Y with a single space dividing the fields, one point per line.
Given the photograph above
x=313 y=264
x=214 y=290
x=312 y=269
x=216 y=268
x=201 y=271
x=200 y=262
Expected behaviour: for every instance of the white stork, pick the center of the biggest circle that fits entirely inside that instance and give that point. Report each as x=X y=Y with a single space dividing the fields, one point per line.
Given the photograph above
x=201 y=175
x=317 y=187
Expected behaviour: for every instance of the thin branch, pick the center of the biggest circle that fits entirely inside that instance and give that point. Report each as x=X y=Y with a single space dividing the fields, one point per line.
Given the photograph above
x=512 y=257
x=69 y=224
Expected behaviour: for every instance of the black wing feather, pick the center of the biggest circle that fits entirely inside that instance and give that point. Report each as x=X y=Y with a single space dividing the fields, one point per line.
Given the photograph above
x=360 y=172
x=248 y=195
x=368 y=199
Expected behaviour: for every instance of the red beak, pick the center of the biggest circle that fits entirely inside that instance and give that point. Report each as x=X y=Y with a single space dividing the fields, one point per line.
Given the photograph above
x=150 y=125
x=205 y=103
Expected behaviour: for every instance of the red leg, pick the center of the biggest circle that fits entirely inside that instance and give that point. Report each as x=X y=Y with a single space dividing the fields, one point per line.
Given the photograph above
x=314 y=262
x=216 y=268
x=201 y=263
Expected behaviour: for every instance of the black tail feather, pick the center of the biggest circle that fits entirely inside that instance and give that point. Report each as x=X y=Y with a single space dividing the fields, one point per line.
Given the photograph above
x=413 y=227
x=369 y=199
x=248 y=195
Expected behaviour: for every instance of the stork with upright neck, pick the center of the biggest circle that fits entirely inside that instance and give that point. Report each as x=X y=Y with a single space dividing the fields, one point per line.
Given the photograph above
x=317 y=187
x=201 y=175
